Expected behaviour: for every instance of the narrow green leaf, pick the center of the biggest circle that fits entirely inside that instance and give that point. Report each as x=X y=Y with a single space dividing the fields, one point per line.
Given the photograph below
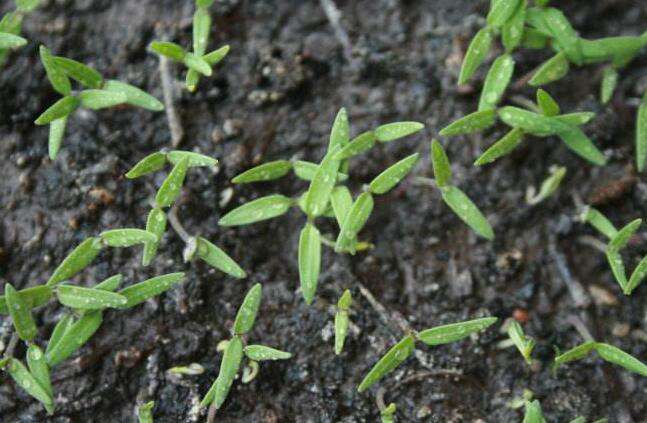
x=617 y=267
x=579 y=143
x=214 y=57
x=549 y=185
x=27 y=5
x=263 y=353
x=504 y=146
x=534 y=39
x=564 y=35
x=257 y=210
x=500 y=12
x=142 y=291
x=440 y=163
x=641 y=135
x=533 y=413
x=575 y=119
x=608 y=84
x=59 y=80
x=11 y=22
x=306 y=171
x=110 y=284
x=342 y=321
x=248 y=310
x=309 y=261
x=149 y=164
x=467 y=211
x=620 y=358
x=56 y=132
x=28 y=382
x=84 y=74
x=168 y=49
x=576 y=353
x=523 y=343
x=340 y=132
x=620 y=240
x=355 y=220
x=58 y=110
x=474 y=122
x=217 y=258
x=20 y=314
x=390 y=177
x=620 y=50
x=228 y=368
x=599 y=222
x=75 y=337
x=197 y=63
x=62 y=326
x=392 y=359
x=195 y=159
x=496 y=82
x=88 y=298
x=34 y=297
x=445 y=334
x=637 y=276
x=76 y=261
x=393 y=131
x=341 y=201
x=475 y=55
x=145 y=412
x=101 y=99
x=155 y=224
x=11 y=41
x=39 y=368
x=322 y=185
x=547 y=104
x=551 y=70
x=127 y=237
x=192 y=80
x=264 y=172
x=204 y=3
x=530 y=122
x=513 y=29
x=172 y=185
x=357 y=145
x=134 y=96
x=388 y=413
x=201 y=29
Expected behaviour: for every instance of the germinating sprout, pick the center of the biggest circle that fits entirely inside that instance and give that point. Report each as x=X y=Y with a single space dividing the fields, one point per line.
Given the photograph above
x=145 y=412
x=327 y=196
x=342 y=320
x=237 y=347
x=534 y=414
x=387 y=414
x=548 y=187
x=609 y=353
x=11 y=26
x=618 y=239
x=524 y=344
x=198 y=62
x=456 y=199
x=438 y=335
x=96 y=94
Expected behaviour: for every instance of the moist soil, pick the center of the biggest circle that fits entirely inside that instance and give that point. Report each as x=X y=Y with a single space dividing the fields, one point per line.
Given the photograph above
x=275 y=96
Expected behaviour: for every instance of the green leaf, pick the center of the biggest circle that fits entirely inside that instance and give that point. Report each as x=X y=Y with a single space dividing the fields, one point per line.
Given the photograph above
x=608 y=84
x=201 y=29
x=257 y=210
x=142 y=291
x=322 y=185
x=617 y=267
x=341 y=201
x=39 y=368
x=440 y=163
x=59 y=80
x=523 y=343
x=88 y=298
x=637 y=276
x=551 y=70
x=214 y=57
x=306 y=171
x=264 y=172
x=576 y=353
x=127 y=237
x=204 y=3
x=354 y=222
x=504 y=146
x=474 y=122
x=248 y=310
x=564 y=35
x=61 y=328
x=101 y=99
x=309 y=261
x=58 y=110
x=33 y=297
x=11 y=22
x=84 y=74
x=75 y=337
x=390 y=177
x=641 y=135
x=534 y=39
x=228 y=368
x=56 y=132
x=392 y=359
x=387 y=414
x=340 y=132
x=76 y=261
x=28 y=382
x=27 y=6
x=496 y=82
x=172 y=185
x=155 y=224
x=500 y=12
x=599 y=222
x=263 y=353
x=575 y=119
x=475 y=55
x=145 y=412
x=533 y=413
x=110 y=284
x=134 y=96
x=577 y=141
x=513 y=29
x=11 y=41
x=357 y=145
x=20 y=314
x=197 y=63
x=547 y=104
x=445 y=334
x=195 y=159
x=622 y=237
x=530 y=122
x=620 y=358
x=342 y=320
x=393 y=131
x=467 y=211
x=192 y=80
x=168 y=49
x=549 y=186
x=217 y=258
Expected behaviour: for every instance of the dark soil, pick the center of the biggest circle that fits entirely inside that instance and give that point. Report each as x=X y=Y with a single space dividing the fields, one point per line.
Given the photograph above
x=275 y=96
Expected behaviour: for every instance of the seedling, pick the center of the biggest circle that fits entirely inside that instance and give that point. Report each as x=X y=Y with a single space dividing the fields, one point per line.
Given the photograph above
x=641 y=135
x=145 y=412
x=11 y=25
x=523 y=343
x=197 y=62
x=387 y=415
x=438 y=335
x=237 y=346
x=326 y=197
x=456 y=199
x=97 y=94
x=609 y=353
x=342 y=320
x=548 y=187
x=166 y=196
x=618 y=239
x=533 y=413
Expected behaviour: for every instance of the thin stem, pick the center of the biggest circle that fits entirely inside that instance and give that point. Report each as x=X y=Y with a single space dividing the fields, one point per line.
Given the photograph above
x=174 y=123
x=334 y=15
x=176 y=225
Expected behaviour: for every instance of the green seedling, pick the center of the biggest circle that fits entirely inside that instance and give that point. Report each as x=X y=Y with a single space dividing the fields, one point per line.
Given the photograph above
x=523 y=343
x=342 y=320
x=548 y=187
x=145 y=412
x=11 y=26
x=327 y=196
x=608 y=353
x=387 y=415
x=237 y=347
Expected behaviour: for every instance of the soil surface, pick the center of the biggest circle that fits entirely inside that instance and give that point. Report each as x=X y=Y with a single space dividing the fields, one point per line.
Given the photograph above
x=275 y=96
